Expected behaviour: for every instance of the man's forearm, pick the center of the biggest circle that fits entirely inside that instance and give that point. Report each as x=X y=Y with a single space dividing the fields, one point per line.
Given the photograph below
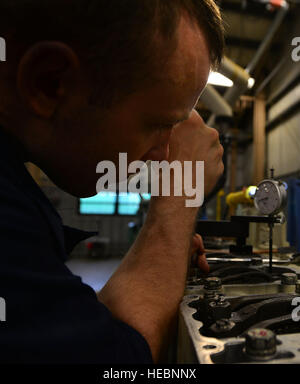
x=146 y=289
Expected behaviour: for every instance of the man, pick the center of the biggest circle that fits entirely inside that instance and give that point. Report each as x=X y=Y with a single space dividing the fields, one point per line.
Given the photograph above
x=83 y=82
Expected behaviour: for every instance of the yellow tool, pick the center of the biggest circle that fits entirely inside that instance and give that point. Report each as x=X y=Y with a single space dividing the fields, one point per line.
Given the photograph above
x=246 y=196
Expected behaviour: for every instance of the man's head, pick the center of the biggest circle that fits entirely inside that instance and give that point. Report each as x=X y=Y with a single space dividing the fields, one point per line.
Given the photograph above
x=86 y=80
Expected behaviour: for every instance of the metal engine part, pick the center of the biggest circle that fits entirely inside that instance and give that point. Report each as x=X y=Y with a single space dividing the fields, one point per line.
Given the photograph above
x=241 y=314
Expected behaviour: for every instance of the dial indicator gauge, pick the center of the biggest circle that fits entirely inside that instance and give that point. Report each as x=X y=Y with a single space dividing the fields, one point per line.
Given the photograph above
x=270 y=197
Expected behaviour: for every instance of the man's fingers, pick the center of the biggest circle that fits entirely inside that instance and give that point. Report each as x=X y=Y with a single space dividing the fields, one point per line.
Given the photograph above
x=195 y=245
x=203 y=264
x=201 y=248
x=198 y=248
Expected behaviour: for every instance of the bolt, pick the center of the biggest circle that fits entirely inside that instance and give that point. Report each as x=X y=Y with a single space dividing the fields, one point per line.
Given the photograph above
x=194 y=281
x=224 y=324
x=289 y=278
x=221 y=299
x=217 y=300
x=212 y=287
x=260 y=344
x=220 y=308
x=212 y=283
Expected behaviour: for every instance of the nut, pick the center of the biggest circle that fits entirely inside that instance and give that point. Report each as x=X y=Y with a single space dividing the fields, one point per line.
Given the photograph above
x=212 y=283
x=289 y=278
x=260 y=344
x=224 y=325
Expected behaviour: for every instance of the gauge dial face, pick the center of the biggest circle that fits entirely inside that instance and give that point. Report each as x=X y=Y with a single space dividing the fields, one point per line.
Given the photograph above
x=268 y=198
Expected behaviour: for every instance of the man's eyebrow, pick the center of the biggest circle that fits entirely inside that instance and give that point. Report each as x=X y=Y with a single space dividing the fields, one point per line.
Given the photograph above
x=184 y=118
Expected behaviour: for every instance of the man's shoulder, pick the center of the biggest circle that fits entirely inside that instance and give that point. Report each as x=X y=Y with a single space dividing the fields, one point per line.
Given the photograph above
x=14 y=198
x=26 y=215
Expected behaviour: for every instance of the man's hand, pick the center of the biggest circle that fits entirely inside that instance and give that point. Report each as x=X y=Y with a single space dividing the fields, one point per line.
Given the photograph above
x=198 y=248
x=193 y=140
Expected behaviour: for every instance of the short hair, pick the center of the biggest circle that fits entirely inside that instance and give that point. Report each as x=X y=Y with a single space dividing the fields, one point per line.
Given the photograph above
x=115 y=37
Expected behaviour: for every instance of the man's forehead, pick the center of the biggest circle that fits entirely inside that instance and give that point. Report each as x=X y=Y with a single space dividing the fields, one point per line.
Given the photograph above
x=186 y=72
x=191 y=59
x=179 y=83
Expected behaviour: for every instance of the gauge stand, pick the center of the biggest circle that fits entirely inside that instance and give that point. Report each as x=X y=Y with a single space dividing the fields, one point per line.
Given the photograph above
x=279 y=219
x=271 y=225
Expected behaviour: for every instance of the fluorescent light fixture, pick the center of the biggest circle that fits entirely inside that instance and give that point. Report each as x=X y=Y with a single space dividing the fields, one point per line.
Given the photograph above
x=216 y=78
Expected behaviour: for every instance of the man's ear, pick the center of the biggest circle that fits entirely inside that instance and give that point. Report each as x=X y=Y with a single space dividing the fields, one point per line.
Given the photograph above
x=48 y=72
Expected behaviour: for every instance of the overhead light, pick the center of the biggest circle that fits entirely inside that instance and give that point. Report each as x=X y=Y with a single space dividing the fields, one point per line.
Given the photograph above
x=251 y=82
x=216 y=78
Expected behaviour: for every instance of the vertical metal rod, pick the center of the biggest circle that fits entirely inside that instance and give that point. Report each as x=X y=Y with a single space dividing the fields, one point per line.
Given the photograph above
x=271 y=247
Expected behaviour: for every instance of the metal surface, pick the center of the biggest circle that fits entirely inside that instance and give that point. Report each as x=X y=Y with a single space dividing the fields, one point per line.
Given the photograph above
x=212 y=328
x=222 y=228
x=194 y=347
x=241 y=260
